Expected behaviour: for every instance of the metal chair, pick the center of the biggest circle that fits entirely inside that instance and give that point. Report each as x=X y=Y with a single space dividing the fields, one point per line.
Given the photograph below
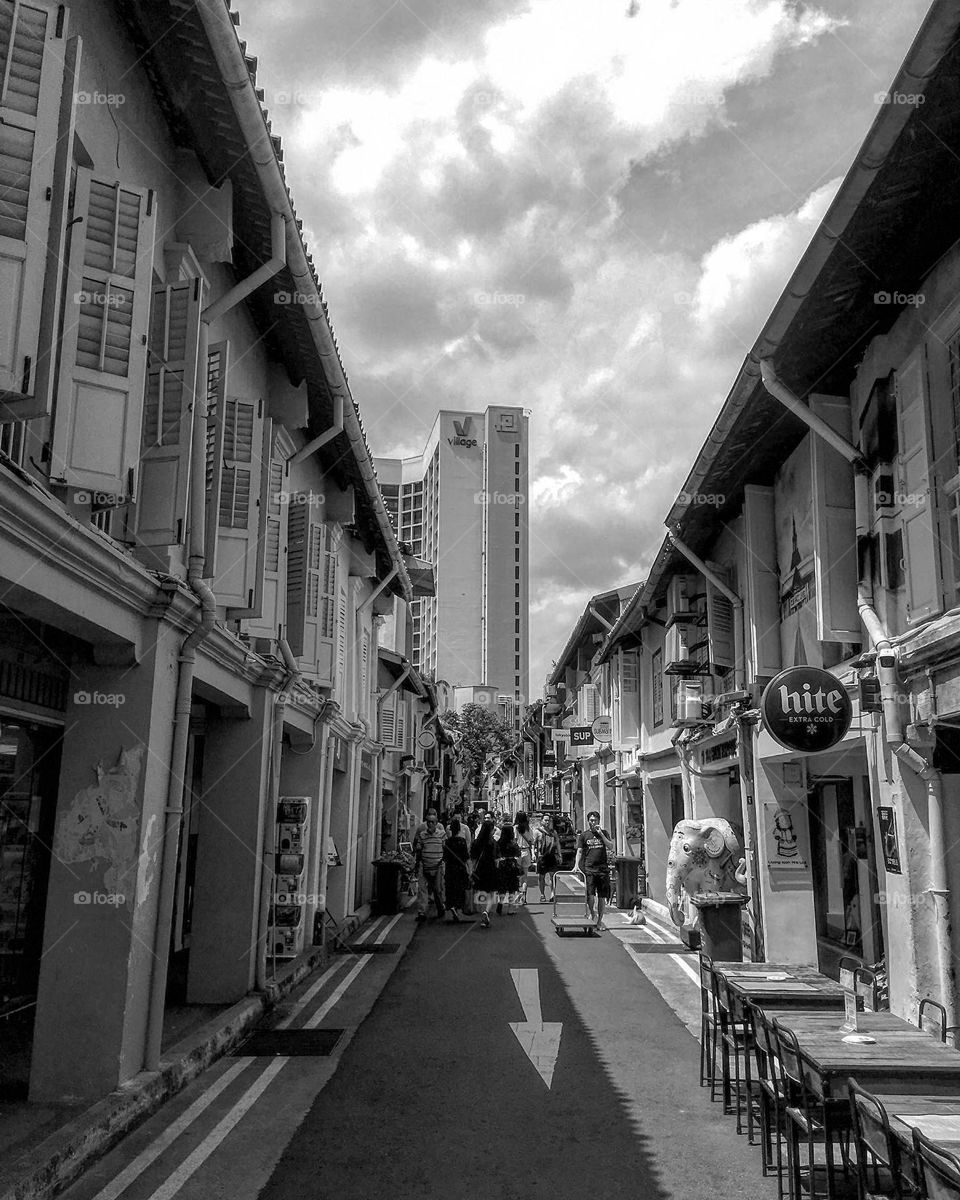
x=772 y=1095
x=879 y=1169
x=926 y=1003
x=736 y=1046
x=938 y=1171
x=817 y=1121
x=865 y=985
x=708 y=1026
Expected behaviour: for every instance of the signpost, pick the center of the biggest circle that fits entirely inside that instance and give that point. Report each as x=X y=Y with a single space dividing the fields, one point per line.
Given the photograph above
x=806 y=709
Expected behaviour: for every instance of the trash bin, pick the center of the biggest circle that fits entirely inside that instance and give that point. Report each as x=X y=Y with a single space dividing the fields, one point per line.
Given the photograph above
x=631 y=881
x=721 y=924
x=387 y=886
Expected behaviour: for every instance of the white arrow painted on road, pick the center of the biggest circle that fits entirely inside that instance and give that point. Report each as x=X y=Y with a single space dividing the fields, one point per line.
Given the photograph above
x=540 y=1042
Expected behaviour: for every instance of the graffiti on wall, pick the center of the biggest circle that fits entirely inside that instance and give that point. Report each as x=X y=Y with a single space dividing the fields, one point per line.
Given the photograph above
x=100 y=823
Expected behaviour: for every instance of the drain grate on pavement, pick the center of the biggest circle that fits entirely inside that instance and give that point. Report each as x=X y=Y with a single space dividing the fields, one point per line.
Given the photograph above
x=374 y=947
x=289 y=1043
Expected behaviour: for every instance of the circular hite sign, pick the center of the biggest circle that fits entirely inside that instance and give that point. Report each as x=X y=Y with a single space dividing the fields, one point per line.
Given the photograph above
x=806 y=709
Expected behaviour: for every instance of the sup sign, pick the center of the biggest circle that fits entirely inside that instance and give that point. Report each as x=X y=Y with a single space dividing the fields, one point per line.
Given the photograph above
x=806 y=709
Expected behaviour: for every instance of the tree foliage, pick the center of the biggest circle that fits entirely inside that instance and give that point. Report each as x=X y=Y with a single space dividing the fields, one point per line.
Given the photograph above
x=482 y=732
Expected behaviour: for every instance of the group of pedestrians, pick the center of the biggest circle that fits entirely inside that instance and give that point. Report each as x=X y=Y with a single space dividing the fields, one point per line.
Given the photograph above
x=490 y=867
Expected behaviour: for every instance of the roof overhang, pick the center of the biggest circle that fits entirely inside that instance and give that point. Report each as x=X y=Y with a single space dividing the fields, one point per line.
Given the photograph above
x=393 y=667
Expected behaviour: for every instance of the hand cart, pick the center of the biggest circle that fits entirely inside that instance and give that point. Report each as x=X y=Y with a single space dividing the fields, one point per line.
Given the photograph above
x=564 y=924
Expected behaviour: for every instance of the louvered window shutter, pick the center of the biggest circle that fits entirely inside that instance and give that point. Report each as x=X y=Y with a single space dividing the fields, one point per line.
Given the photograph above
x=168 y=413
x=401 y=721
x=340 y=681
x=720 y=628
x=388 y=722
x=32 y=48
x=364 y=673
x=629 y=696
x=96 y=437
x=218 y=374
x=247 y=438
x=307 y=568
x=273 y=520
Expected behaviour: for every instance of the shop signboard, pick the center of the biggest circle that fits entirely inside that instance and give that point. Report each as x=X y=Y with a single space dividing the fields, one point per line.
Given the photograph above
x=887 y=820
x=602 y=729
x=806 y=709
x=783 y=836
x=581 y=735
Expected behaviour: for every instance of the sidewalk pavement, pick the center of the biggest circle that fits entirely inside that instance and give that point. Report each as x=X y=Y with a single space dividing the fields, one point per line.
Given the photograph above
x=43 y=1163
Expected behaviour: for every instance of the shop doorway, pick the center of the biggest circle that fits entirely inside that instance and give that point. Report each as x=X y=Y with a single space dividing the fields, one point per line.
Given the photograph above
x=844 y=872
x=29 y=777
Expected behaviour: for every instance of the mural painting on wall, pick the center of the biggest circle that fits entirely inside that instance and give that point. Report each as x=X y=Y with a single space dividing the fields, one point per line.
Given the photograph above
x=799 y=642
x=99 y=827
x=783 y=832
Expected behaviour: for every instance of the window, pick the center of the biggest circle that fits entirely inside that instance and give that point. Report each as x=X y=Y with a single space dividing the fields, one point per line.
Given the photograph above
x=657 y=670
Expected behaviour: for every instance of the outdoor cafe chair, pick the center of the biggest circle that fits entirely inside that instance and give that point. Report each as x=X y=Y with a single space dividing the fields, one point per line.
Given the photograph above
x=865 y=986
x=772 y=1096
x=811 y=1122
x=708 y=1026
x=940 y=1018
x=879 y=1169
x=736 y=1048
x=938 y=1171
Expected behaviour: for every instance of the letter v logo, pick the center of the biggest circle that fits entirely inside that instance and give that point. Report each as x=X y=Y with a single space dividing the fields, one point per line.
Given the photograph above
x=463 y=427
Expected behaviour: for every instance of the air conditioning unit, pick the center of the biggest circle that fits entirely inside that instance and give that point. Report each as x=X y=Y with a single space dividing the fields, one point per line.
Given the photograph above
x=679 y=650
x=682 y=598
x=692 y=705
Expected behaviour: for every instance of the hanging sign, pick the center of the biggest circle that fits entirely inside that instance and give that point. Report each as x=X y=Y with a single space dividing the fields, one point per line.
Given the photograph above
x=426 y=739
x=602 y=729
x=581 y=735
x=887 y=820
x=806 y=709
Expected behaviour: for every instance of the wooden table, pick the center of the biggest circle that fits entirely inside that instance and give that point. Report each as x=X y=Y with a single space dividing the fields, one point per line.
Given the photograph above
x=804 y=986
x=943 y=1126
x=903 y=1059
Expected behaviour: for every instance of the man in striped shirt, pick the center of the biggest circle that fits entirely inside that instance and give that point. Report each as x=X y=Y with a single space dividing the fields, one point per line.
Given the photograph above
x=428 y=850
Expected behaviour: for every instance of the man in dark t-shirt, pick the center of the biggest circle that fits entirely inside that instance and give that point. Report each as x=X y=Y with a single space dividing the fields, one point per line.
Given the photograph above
x=594 y=851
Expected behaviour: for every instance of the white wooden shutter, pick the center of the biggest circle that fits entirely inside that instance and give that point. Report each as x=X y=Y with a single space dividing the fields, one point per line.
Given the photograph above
x=364 y=672
x=402 y=721
x=762 y=591
x=167 y=433
x=388 y=722
x=247 y=437
x=96 y=436
x=32 y=51
x=919 y=536
x=834 y=527
x=218 y=375
x=629 y=696
x=340 y=681
x=720 y=632
x=310 y=568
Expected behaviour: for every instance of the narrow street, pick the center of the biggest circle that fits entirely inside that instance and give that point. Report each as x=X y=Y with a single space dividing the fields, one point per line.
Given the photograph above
x=429 y=1091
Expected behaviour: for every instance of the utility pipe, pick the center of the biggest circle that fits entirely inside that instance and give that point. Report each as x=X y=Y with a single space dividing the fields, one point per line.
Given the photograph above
x=321 y=440
x=887 y=655
x=325 y=831
x=187 y=660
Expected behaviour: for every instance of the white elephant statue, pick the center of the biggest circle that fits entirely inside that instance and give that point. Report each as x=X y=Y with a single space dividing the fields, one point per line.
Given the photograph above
x=705 y=856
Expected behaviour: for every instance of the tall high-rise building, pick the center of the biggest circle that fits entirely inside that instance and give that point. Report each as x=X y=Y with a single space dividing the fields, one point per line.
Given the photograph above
x=462 y=505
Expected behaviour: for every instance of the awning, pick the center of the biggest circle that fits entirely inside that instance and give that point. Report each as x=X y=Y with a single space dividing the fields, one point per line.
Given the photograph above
x=390 y=668
x=422 y=579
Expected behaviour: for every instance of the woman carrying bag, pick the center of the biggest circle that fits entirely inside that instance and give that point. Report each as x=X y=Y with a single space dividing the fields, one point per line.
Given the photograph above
x=549 y=857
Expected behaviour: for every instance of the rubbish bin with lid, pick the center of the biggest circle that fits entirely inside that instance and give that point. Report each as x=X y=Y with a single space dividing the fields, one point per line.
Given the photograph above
x=631 y=881
x=388 y=877
x=721 y=924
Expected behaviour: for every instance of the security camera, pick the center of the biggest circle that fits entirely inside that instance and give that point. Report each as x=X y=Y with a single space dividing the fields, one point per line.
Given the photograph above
x=887 y=660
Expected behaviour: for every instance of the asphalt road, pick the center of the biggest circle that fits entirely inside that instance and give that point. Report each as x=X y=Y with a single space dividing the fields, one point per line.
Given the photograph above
x=484 y=1064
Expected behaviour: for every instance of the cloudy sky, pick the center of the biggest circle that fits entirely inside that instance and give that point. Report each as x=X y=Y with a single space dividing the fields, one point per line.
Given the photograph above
x=584 y=207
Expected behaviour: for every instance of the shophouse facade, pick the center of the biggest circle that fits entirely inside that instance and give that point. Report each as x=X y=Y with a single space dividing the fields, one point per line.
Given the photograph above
x=818 y=527
x=194 y=552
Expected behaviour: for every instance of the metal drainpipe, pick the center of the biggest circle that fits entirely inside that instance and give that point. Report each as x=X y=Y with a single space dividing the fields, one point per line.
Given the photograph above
x=325 y=831
x=887 y=674
x=188 y=651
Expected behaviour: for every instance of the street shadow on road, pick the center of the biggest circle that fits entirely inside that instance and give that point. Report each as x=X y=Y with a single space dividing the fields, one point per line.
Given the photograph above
x=435 y=1096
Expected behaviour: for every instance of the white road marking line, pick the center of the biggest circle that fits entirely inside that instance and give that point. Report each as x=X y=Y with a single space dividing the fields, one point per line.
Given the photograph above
x=540 y=1041
x=681 y=962
x=194 y=1161
x=337 y=994
x=135 y=1169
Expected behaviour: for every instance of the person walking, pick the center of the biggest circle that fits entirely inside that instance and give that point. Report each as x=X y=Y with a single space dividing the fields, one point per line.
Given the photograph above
x=456 y=871
x=525 y=841
x=508 y=869
x=549 y=857
x=595 y=849
x=483 y=855
x=428 y=853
